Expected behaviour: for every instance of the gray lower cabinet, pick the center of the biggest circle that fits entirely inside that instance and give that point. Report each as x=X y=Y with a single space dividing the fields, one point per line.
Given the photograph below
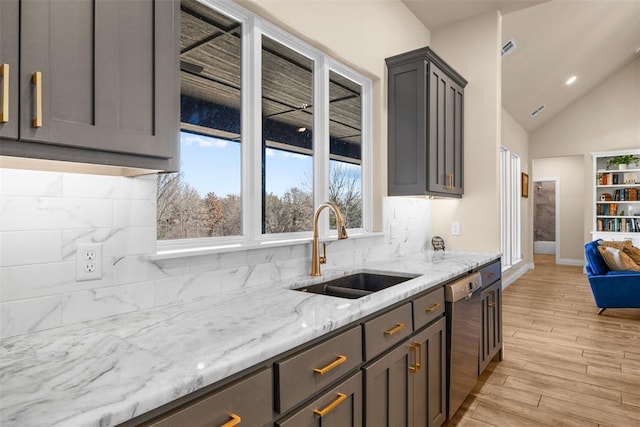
x=491 y=335
x=339 y=407
x=430 y=382
x=305 y=373
x=407 y=386
x=246 y=402
x=426 y=126
x=388 y=390
x=98 y=82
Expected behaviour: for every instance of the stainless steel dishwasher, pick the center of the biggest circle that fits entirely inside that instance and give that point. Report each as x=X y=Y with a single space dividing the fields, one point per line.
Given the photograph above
x=463 y=310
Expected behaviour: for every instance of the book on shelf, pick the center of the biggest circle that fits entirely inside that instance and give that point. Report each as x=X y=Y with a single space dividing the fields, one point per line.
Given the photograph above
x=619 y=225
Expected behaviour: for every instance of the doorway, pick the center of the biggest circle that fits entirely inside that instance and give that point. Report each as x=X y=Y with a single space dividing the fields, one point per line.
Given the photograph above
x=545 y=216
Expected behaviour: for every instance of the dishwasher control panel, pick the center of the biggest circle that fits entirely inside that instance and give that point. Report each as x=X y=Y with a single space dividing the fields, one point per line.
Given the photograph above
x=462 y=288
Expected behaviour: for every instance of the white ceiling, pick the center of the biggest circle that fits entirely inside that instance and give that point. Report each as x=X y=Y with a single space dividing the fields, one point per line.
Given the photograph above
x=556 y=39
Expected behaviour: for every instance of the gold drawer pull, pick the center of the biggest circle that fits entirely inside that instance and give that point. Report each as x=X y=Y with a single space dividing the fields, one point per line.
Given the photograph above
x=394 y=329
x=419 y=359
x=339 y=361
x=4 y=73
x=413 y=369
x=37 y=81
x=492 y=304
x=330 y=407
x=490 y=274
x=235 y=420
x=433 y=307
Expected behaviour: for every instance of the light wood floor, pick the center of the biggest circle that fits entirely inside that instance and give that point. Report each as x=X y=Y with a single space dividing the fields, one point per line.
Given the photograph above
x=563 y=364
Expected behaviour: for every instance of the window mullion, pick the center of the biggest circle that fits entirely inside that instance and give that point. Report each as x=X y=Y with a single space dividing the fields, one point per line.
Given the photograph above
x=321 y=138
x=252 y=128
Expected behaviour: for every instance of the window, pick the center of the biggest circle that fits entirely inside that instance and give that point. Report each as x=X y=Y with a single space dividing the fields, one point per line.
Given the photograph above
x=510 y=212
x=270 y=128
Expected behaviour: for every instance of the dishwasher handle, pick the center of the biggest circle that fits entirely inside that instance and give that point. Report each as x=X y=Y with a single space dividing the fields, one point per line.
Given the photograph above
x=463 y=288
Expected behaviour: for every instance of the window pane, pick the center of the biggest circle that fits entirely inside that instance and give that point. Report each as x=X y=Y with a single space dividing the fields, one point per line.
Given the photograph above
x=204 y=199
x=287 y=139
x=345 y=165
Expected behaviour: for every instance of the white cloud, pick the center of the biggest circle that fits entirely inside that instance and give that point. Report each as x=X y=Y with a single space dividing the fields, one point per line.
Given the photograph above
x=203 y=141
x=270 y=152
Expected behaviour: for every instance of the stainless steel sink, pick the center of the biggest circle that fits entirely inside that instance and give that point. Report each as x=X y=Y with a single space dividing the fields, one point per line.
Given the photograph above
x=355 y=285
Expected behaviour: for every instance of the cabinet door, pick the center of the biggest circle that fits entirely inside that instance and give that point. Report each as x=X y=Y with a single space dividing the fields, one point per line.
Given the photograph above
x=109 y=75
x=388 y=391
x=407 y=129
x=445 y=133
x=339 y=407
x=9 y=24
x=249 y=401
x=491 y=337
x=429 y=383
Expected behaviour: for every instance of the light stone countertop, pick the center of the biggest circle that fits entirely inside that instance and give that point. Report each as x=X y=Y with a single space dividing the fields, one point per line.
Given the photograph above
x=107 y=371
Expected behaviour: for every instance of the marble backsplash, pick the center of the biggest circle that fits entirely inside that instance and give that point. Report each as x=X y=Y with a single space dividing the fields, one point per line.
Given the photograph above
x=43 y=215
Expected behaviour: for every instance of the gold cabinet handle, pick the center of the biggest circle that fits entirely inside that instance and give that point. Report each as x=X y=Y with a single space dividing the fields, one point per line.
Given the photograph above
x=4 y=73
x=331 y=406
x=432 y=307
x=490 y=275
x=37 y=81
x=339 y=361
x=413 y=369
x=235 y=420
x=419 y=359
x=492 y=304
x=450 y=180
x=491 y=292
x=394 y=329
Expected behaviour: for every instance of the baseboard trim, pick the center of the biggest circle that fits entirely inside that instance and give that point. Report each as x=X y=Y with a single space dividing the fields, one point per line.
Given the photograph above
x=516 y=273
x=567 y=261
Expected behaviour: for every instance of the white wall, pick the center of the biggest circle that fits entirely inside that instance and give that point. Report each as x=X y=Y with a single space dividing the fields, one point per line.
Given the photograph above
x=573 y=192
x=516 y=139
x=471 y=47
x=606 y=118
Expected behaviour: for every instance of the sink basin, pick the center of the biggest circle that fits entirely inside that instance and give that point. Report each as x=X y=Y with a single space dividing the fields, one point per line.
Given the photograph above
x=355 y=285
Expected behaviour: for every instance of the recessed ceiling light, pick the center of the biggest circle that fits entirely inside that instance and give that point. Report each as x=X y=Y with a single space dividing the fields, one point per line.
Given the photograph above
x=302 y=129
x=571 y=80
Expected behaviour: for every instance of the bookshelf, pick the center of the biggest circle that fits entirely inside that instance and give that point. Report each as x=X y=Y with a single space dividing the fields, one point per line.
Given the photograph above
x=616 y=213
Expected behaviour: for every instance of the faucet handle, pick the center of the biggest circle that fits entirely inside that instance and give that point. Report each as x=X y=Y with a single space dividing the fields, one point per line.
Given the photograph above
x=323 y=257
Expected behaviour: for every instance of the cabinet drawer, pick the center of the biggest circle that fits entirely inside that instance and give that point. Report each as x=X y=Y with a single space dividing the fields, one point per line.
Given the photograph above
x=491 y=273
x=386 y=330
x=340 y=406
x=301 y=375
x=427 y=308
x=251 y=399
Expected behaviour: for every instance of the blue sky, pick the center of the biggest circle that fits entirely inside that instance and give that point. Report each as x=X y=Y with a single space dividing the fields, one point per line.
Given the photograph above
x=210 y=164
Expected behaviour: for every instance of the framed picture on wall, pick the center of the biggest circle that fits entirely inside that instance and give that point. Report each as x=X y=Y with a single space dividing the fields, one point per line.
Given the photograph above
x=525 y=185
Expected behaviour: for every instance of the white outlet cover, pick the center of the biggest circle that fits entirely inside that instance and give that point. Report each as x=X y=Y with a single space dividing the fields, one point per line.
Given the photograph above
x=455 y=228
x=88 y=261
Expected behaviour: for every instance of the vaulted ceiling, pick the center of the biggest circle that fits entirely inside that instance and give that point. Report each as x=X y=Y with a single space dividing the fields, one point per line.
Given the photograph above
x=555 y=40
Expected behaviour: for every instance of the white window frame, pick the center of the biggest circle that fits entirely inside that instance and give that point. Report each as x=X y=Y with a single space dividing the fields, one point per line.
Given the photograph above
x=510 y=208
x=253 y=28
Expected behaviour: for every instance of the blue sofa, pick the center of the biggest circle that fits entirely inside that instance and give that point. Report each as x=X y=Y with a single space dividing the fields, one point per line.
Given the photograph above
x=611 y=289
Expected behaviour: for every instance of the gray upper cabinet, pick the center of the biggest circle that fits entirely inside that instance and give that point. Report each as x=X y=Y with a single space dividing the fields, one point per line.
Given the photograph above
x=9 y=24
x=425 y=112
x=98 y=82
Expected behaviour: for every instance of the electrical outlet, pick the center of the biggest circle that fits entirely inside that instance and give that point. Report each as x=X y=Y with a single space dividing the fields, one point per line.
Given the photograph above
x=88 y=261
x=455 y=228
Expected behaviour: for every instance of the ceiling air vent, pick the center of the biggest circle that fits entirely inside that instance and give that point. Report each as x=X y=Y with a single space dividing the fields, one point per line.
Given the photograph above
x=537 y=111
x=509 y=47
